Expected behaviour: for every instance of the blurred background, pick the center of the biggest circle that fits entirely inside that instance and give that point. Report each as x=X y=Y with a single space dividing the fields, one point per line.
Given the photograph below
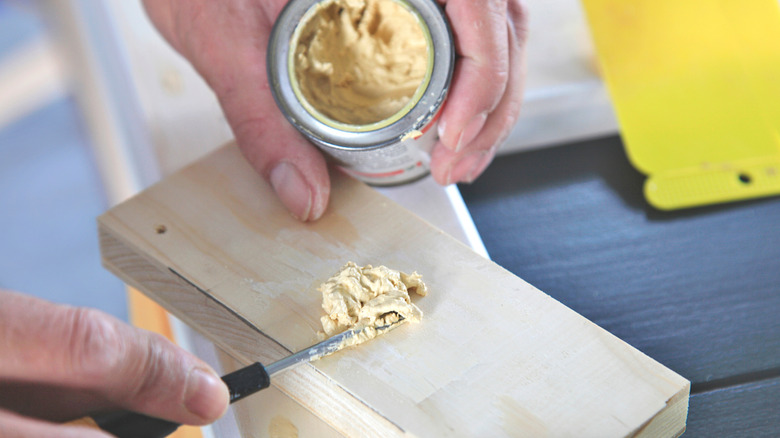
x=50 y=188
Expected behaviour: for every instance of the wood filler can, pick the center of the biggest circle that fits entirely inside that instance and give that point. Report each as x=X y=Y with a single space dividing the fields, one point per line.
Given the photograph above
x=364 y=80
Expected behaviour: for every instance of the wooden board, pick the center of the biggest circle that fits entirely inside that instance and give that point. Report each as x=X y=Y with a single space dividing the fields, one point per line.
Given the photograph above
x=493 y=356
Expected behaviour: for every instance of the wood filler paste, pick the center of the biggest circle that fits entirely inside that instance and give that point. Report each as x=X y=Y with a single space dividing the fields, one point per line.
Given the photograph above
x=364 y=298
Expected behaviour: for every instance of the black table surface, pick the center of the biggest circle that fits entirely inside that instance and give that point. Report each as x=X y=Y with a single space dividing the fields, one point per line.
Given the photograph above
x=697 y=289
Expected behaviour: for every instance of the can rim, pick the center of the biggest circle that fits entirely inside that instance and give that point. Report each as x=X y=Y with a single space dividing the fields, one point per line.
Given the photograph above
x=370 y=136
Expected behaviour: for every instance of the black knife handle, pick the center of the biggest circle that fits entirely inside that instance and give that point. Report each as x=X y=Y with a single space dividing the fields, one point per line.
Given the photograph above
x=246 y=381
x=125 y=424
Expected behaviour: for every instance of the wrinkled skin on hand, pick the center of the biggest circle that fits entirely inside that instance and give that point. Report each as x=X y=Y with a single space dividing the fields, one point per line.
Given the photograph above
x=226 y=42
x=59 y=363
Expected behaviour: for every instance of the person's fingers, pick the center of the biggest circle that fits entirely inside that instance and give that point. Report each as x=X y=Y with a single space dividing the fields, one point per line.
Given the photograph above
x=13 y=425
x=104 y=362
x=481 y=70
x=465 y=165
x=227 y=43
x=448 y=167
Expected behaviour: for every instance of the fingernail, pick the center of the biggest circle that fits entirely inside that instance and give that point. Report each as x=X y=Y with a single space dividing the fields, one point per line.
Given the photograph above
x=441 y=127
x=471 y=130
x=206 y=395
x=468 y=167
x=292 y=189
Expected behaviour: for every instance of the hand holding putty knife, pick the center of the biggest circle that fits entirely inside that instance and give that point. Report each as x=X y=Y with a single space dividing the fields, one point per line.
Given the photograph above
x=241 y=383
x=361 y=303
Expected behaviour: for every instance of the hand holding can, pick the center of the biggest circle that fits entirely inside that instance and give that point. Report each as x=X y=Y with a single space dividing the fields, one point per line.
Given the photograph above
x=227 y=41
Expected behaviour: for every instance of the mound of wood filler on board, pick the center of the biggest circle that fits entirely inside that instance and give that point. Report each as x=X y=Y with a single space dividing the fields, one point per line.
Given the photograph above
x=365 y=298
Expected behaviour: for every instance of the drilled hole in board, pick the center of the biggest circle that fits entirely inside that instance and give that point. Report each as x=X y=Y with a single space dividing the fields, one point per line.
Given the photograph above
x=161 y=229
x=744 y=178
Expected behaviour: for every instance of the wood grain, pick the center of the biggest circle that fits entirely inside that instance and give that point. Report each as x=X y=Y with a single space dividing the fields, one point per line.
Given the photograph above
x=493 y=356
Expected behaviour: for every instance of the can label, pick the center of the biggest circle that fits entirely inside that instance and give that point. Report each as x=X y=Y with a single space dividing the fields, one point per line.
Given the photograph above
x=393 y=164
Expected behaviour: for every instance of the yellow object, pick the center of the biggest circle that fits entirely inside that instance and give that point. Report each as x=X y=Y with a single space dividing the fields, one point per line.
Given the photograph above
x=696 y=88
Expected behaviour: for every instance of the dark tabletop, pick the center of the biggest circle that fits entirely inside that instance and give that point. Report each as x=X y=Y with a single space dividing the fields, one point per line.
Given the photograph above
x=697 y=290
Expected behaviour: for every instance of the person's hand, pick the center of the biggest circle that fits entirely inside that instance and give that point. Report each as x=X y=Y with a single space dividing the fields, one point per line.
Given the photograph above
x=487 y=87
x=226 y=42
x=59 y=363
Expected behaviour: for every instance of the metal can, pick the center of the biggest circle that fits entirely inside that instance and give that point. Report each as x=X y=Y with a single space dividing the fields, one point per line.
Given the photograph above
x=391 y=151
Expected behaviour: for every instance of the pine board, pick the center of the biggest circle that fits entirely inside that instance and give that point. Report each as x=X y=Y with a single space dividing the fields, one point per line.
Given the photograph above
x=493 y=356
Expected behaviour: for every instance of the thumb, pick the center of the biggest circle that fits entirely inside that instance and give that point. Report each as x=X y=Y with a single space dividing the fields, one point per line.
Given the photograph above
x=294 y=167
x=109 y=363
x=226 y=42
